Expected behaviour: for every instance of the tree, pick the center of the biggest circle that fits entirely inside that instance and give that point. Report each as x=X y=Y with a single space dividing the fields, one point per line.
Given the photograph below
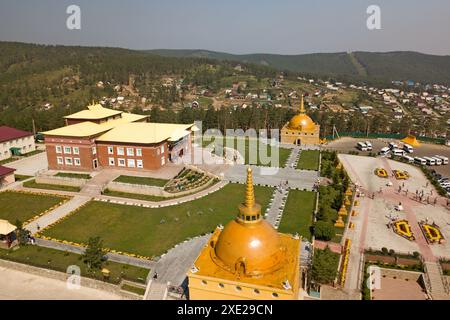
x=324 y=266
x=21 y=233
x=324 y=230
x=94 y=256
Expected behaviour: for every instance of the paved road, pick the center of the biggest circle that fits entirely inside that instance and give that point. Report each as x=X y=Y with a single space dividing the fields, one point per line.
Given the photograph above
x=298 y=179
x=31 y=165
x=18 y=285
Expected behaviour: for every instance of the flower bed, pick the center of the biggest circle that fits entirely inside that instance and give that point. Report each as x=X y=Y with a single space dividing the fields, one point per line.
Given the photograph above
x=380 y=172
x=432 y=232
x=403 y=229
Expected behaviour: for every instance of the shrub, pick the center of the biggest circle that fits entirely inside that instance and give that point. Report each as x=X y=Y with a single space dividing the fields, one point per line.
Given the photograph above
x=324 y=230
x=384 y=250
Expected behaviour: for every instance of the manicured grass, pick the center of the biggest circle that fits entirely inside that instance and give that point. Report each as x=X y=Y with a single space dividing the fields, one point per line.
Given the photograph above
x=34 y=185
x=232 y=142
x=133 y=289
x=73 y=175
x=136 y=196
x=20 y=177
x=151 y=232
x=5 y=161
x=298 y=213
x=142 y=180
x=309 y=160
x=24 y=206
x=60 y=260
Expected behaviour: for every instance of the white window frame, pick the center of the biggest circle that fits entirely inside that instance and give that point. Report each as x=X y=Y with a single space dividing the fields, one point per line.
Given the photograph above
x=77 y=162
x=94 y=150
x=60 y=160
x=130 y=152
x=76 y=150
x=121 y=160
x=162 y=149
x=59 y=149
x=163 y=161
x=68 y=161
x=110 y=150
x=139 y=152
x=140 y=164
x=131 y=163
x=111 y=161
x=70 y=150
x=120 y=151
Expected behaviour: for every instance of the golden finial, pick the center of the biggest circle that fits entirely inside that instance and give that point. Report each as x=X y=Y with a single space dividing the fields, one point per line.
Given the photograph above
x=249 y=193
x=250 y=211
x=302 y=106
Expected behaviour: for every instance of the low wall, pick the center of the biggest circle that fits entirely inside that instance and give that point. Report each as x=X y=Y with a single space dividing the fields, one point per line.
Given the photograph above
x=152 y=190
x=391 y=260
x=401 y=274
x=61 y=181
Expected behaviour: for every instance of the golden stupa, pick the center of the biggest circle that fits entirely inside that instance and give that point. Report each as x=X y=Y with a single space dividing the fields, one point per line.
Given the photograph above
x=301 y=129
x=339 y=223
x=343 y=210
x=248 y=259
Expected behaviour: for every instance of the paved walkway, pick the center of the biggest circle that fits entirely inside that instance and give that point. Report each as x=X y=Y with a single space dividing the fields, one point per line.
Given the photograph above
x=29 y=166
x=19 y=285
x=292 y=160
x=57 y=214
x=276 y=206
x=298 y=179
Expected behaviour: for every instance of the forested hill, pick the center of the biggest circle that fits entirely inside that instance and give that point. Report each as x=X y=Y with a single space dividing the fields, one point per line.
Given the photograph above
x=66 y=77
x=365 y=66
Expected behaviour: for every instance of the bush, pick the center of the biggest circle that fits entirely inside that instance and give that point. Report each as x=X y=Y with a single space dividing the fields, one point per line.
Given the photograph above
x=324 y=230
x=392 y=252
x=384 y=250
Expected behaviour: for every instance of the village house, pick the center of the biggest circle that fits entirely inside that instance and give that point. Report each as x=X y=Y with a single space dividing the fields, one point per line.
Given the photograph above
x=14 y=142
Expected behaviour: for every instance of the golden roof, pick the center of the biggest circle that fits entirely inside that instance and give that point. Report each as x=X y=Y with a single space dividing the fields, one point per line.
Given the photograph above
x=146 y=133
x=412 y=141
x=88 y=128
x=301 y=121
x=94 y=112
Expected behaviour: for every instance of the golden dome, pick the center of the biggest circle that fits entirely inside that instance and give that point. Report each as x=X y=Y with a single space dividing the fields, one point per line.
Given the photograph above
x=249 y=245
x=302 y=121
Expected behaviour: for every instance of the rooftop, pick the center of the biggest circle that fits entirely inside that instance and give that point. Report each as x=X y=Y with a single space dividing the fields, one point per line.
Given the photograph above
x=146 y=133
x=5 y=170
x=8 y=133
x=94 y=112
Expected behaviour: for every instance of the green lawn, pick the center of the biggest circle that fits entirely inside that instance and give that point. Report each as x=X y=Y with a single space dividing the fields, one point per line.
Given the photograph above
x=232 y=142
x=32 y=184
x=133 y=289
x=298 y=213
x=73 y=175
x=136 y=196
x=60 y=260
x=309 y=160
x=142 y=180
x=24 y=206
x=151 y=232
x=20 y=177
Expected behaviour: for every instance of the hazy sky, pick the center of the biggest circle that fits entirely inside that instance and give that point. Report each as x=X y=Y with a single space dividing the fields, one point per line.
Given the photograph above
x=235 y=26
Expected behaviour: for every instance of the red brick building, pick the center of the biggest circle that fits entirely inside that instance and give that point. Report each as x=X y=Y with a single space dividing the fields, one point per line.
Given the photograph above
x=114 y=139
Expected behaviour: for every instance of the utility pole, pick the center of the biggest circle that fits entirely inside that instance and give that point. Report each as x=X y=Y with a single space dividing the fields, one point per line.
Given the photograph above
x=34 y=127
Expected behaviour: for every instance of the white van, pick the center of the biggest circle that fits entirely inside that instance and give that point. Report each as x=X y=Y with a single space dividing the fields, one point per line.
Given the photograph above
x=438 y=160
x=398 y=152
x=408 y=148
x=361 y=146
x=368 y=145
x=393 y=145
x=385 y=151
x=420 y=161
x=430 y=161
x=444 y=159
x=408 y=158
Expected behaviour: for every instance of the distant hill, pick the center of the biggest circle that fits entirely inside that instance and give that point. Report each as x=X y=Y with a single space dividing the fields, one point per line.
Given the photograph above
x=365 y=66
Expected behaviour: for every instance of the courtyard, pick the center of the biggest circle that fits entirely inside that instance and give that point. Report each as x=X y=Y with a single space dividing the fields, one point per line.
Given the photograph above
x=151 y=232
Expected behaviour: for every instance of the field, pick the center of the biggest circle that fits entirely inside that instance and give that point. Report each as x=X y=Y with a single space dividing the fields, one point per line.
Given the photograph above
x=32 y=184
x=256 y=159
x=60 y=260
x=151 y=232
x=24 y=206
x=298 y=213
x=142 y=180
x=309 y=160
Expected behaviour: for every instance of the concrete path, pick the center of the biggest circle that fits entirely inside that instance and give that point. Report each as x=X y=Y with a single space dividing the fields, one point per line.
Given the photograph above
x=298 y=179
x=57 y=214
x=19 y=285
x=29 y=166
x=276 y=206
x=292 y=160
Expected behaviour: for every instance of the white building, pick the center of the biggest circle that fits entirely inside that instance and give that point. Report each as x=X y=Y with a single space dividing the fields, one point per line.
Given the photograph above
x=15 y=142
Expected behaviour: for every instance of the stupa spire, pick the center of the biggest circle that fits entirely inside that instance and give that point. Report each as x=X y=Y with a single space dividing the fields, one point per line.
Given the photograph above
x=249 y=210
x=302 y=106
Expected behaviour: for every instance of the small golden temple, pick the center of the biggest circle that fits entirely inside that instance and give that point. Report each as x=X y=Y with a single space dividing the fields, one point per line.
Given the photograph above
x=301 y=129
x=247 y=259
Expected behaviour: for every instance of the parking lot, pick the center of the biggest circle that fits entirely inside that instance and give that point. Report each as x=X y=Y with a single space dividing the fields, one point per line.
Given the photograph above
x=346 y=144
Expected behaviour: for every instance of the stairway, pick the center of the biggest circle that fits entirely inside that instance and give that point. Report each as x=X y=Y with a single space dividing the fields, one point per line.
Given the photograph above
x=437 y=283
x=157 y=291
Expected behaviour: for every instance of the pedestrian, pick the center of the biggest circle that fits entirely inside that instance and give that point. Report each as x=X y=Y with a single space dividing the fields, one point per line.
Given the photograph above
x=38 y=227
x=155 y=276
